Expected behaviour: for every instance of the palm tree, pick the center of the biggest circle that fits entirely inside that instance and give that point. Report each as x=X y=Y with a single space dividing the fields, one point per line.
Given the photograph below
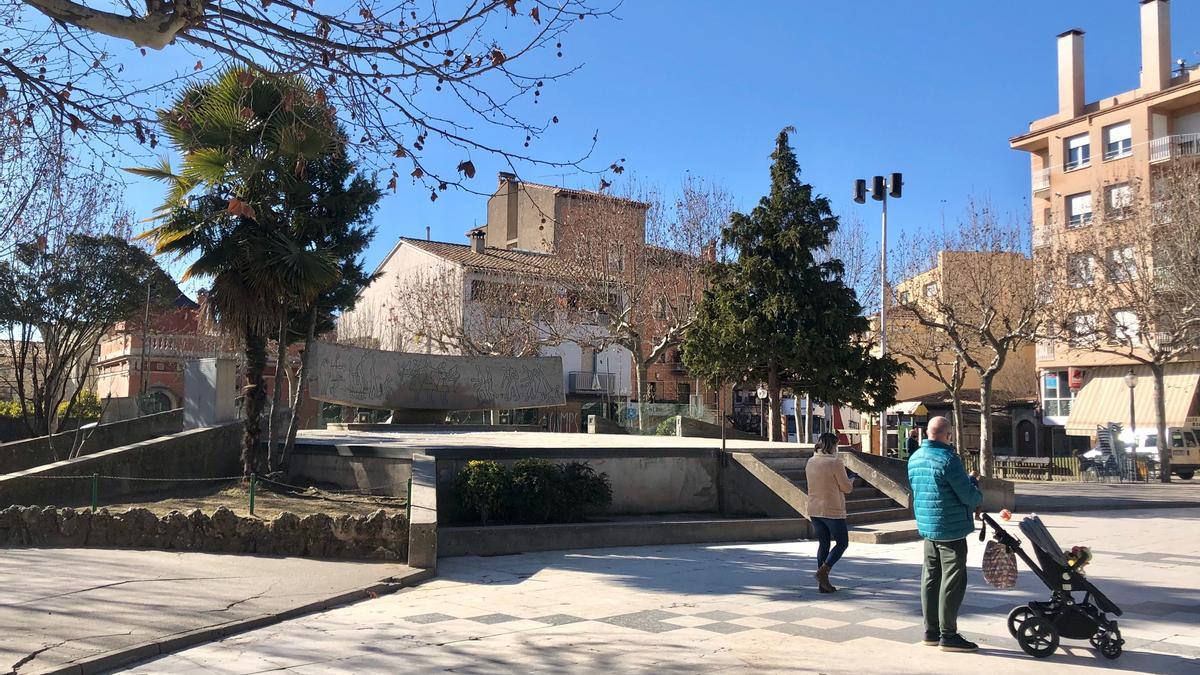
x=245 y=140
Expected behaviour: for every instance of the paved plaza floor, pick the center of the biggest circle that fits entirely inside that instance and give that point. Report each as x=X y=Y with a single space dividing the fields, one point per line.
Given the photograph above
x=741 y=608
x=61 y=606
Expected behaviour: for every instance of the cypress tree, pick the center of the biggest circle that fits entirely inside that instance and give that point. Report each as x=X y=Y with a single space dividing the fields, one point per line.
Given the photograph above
x=779 y=311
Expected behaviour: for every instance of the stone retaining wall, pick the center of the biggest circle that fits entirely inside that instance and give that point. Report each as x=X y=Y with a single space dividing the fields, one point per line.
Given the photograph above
x=376 y=536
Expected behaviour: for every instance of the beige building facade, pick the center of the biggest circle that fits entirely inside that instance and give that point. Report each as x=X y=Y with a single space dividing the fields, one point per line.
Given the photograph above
x=1091 y=161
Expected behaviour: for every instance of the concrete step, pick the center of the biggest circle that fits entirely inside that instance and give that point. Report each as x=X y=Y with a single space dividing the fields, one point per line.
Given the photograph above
x=785 y=463
x=859 y=492
x=890 y=532
x=878 y=515
x=870 y=504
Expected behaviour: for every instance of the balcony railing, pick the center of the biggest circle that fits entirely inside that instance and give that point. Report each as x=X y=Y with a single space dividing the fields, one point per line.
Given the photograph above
x=582 y=382
x=1045 y=351
x=1041 y=180
x=1170 y=147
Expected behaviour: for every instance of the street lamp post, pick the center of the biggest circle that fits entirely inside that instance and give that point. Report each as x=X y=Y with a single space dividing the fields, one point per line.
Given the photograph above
x=1131 y=382
x=881 y=189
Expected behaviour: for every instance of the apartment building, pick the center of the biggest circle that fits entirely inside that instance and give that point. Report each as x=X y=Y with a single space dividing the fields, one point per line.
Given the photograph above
x=1089 y=162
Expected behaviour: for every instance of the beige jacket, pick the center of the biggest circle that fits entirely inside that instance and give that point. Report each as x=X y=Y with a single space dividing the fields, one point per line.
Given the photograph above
x=828 y=486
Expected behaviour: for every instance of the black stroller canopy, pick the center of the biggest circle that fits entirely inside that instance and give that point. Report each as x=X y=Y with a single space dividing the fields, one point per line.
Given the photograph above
x=1035 y=530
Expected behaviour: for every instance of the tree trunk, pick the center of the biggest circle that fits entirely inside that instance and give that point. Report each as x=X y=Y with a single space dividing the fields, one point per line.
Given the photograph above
x=277 y=390
x=298 y=394
x=773 y=402
x=1160 y=422
x=641 y=372
x=985 y=426
x=956 y=412
x=254 y=400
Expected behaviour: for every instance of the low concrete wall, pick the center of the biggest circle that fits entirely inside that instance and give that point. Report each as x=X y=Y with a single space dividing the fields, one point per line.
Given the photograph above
x=511 y=539
x=750 y=484
x=423 y=510
x=31 y=452
x=199 y=453
x=688 y=427
x=888 y=475
x=644 y=481
x=376 y=536
x=997 y=494
x=377 y=470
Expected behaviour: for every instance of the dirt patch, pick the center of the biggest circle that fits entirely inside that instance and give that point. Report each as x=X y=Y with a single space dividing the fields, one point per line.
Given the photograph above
x=269 y=500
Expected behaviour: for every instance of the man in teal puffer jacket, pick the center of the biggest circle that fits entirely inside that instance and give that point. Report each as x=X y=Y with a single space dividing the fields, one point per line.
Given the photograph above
x=944 y=501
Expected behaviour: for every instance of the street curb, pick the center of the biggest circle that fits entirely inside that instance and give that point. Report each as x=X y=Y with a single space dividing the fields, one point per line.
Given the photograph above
x=1068 y=508
x=108 y=661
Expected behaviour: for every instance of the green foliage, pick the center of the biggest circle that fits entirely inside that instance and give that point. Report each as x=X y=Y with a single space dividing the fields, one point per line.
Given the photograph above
x=10 y=410
x=667 y=426
x=781 y=309
x=88 y=407
x=532 y=491
x=482 y=486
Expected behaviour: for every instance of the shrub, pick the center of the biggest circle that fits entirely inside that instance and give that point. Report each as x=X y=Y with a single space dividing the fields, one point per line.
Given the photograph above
x=482 y=487
x=586 y=491
x=10 y=409
x=533 y=491
x=666 y=427
x=87 y=406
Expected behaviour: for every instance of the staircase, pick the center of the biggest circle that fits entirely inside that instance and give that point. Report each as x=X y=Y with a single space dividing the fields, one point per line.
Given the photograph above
x=864 y=505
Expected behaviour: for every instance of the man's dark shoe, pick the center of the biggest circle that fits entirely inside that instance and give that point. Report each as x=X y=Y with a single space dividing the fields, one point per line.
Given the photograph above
x=957 y=643
x=932 y=638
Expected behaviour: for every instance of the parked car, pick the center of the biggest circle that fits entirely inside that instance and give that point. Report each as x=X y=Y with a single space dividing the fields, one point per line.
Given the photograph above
x=1184 y=444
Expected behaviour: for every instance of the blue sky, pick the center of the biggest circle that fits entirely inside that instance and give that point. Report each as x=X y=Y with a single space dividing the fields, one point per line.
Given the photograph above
x=933 y=89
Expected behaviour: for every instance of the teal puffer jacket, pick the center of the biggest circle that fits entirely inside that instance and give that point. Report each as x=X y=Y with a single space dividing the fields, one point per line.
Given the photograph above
x=943 y=497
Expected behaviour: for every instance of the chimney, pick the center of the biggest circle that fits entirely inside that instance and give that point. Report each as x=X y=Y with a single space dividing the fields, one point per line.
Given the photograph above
x=478 y=239
x=511 y=210
x=1070 y=74
x=1156 y=45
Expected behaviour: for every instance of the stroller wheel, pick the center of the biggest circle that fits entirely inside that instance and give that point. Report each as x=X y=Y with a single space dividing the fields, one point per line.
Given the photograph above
x=1108 y=646
x=1017 y=617
x=1038 y=637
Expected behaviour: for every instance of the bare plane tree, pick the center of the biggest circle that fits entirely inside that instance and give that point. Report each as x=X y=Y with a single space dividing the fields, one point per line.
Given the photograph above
x=975 y=286
x=401 y=75
x=1128 y=285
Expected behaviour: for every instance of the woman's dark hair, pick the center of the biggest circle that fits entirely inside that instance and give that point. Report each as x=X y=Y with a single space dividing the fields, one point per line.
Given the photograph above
x=827 y=443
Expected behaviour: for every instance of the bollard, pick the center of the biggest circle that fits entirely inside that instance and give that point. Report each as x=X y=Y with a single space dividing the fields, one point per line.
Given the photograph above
x=408 y=504
x=95 y=490
x=253 y=480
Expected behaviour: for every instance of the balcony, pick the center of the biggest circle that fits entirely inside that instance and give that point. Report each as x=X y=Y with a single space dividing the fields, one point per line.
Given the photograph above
x=1172 y=147
x=582 y=382
x=1041 y=180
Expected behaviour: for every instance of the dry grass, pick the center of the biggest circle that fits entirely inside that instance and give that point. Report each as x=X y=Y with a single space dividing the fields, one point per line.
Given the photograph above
x=269 y=501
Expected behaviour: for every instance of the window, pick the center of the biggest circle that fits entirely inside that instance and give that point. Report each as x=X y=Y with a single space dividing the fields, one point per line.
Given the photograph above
x=904 y=297
x=651 y=391
x=1081 y=270
x=1047 y=217
x=1083 y=328
x=1079 y=152
x=1056 y=394
x=1118 y=200
x=1079 y=209
x=1121 y=264
x=1125 y=326
x=1118 y=141
x=684 y=391
x=617 y=257
x=660 y=309
x=931 y=290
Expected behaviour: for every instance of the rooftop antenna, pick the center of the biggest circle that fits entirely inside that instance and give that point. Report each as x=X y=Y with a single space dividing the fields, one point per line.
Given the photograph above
x=427 y=235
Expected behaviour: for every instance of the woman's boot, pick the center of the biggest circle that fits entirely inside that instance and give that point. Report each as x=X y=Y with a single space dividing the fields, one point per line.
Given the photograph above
x=822 y=576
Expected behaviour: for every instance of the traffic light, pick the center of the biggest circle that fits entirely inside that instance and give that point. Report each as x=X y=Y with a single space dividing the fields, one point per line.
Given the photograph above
x=897 y=183
x=878 y=187
x=860 y=191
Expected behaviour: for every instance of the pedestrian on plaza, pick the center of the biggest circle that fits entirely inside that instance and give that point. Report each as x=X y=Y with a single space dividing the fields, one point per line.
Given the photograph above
x=944 y=501
x=828 y=486
x=914 y=443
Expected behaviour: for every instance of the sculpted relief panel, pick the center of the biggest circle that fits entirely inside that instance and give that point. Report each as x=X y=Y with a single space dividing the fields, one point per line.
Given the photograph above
x=372 y=378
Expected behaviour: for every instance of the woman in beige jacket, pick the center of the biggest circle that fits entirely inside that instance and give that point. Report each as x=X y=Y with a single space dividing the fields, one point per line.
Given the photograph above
x=828 y=486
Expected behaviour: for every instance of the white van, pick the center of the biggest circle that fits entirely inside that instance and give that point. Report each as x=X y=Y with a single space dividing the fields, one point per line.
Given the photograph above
x=1185 y=449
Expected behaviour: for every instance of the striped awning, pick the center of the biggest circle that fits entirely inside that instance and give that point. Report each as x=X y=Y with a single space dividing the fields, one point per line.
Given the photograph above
x=1104 y=399
x=908 y=408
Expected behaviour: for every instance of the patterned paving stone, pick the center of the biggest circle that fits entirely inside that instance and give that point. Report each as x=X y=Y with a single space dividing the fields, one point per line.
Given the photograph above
x=723 y=627
x=490 y=619
x=649 y=621
x=433 y=617
x=558 y=619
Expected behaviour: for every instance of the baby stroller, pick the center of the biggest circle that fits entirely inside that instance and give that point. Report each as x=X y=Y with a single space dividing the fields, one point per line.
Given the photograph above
x=1039 y=625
